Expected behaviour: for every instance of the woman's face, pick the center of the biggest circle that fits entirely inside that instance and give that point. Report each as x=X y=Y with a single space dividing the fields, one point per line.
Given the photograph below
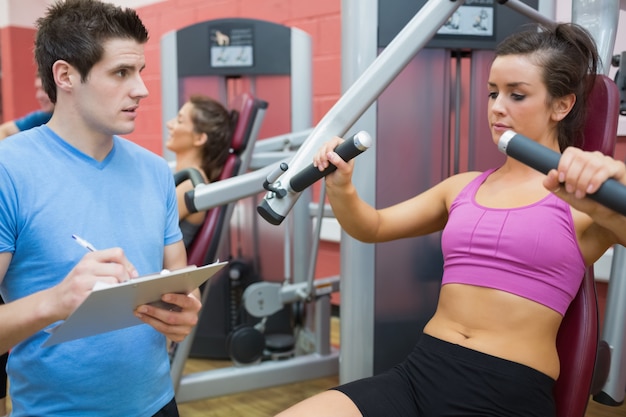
x=182 y=136
x=44 y=101
x=519 y=100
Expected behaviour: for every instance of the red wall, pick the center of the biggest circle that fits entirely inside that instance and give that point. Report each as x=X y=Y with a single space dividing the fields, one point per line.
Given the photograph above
x=18 y=72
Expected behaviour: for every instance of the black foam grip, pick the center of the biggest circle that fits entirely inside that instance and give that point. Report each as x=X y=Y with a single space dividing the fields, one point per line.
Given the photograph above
x=347 y=150
x=611 y=193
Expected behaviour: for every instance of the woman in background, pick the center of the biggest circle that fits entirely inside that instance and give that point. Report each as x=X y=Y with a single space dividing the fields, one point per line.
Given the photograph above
x=200 y=136
x=33 y=119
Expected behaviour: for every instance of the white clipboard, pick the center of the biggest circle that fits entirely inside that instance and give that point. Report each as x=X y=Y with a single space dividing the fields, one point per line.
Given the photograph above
x=111 y=307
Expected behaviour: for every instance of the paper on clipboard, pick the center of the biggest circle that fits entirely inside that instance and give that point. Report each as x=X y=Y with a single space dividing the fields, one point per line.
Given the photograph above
x=110 y=308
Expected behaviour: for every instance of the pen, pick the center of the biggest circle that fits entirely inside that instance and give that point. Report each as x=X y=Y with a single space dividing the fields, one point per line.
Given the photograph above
x=82 y=242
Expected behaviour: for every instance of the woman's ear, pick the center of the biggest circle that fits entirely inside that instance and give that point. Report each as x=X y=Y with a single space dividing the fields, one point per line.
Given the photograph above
x=201 y=139
x=562 y=106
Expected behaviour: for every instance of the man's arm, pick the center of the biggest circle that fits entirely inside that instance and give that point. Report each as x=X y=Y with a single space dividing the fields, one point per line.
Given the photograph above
x=175 y=257
x=21 y=318
x=24 y=317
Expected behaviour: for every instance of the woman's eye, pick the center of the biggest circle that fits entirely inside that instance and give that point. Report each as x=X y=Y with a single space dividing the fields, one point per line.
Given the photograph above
x=518 y=97
x=493 y=94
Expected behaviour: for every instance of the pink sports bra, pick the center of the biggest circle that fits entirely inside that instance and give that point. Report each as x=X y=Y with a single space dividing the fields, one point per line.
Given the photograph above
x=529 y=251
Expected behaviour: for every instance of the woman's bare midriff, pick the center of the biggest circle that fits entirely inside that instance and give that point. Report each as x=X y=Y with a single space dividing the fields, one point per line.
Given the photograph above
x=499 y=324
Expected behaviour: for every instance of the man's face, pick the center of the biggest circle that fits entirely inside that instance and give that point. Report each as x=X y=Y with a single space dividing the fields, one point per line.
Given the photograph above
x=108 y=98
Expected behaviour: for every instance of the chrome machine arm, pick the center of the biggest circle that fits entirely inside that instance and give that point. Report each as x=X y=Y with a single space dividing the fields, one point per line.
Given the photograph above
x=355 y=101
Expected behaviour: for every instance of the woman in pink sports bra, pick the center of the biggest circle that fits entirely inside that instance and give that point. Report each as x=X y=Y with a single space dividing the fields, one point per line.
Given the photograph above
x=512 y=250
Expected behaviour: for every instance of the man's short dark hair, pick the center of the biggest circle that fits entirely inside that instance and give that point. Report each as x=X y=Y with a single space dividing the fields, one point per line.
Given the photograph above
x=75 y=31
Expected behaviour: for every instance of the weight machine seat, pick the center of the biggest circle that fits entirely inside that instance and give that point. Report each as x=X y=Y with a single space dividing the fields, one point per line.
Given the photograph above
x=584 y=358
x=248 y=109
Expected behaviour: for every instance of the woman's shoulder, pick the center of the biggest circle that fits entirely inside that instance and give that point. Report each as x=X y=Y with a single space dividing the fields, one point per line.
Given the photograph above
x=468 y=176
x=452 y=186
x=462 y=180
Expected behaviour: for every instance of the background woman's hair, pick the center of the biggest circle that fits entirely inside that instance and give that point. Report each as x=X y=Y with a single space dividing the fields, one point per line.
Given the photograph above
x=211 y=117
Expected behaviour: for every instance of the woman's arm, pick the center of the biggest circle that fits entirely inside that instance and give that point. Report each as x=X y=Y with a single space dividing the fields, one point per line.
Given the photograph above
x=181 y=189
x=420 y=215
x=581 y=173
x=7 y=129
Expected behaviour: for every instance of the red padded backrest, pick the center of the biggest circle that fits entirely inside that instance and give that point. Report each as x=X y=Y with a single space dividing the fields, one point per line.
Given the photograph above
x=577 y=341
x=206 y=242
x=245 y=105
x=600 y=132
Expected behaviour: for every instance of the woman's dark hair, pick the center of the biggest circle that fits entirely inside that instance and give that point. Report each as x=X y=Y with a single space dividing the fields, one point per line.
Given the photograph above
x=569 y=58
x=210 y=117
x=76 y=30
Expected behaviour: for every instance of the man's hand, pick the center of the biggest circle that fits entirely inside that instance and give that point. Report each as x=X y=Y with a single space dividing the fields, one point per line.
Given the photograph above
x=176 y=318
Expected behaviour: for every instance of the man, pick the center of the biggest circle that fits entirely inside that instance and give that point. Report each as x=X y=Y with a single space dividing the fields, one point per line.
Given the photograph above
x=76 y=176
x=33 y=119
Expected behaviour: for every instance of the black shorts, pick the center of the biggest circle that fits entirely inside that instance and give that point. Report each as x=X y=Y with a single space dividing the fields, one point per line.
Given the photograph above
x=3 y=375
x=3 y=370
x=169 y=410
x=443 y=379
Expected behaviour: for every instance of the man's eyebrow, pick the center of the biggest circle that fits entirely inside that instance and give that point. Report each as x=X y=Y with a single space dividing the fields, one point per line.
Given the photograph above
x=130 y=67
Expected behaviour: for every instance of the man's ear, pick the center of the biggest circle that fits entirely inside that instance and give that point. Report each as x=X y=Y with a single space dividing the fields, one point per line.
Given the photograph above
x=64 y=75
x=562 y=106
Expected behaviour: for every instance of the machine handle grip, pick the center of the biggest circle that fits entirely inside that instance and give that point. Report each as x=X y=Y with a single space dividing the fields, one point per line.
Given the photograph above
x=611 y=193
x=188 y=174
x=347 y=150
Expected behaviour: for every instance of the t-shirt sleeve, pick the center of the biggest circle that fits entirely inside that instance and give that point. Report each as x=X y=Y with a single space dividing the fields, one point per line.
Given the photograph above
x=34 y=119
x=8 y=212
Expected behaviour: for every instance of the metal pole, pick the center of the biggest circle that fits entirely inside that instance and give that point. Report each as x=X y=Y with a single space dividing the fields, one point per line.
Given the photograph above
x=528 y=11
x=600 y=18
